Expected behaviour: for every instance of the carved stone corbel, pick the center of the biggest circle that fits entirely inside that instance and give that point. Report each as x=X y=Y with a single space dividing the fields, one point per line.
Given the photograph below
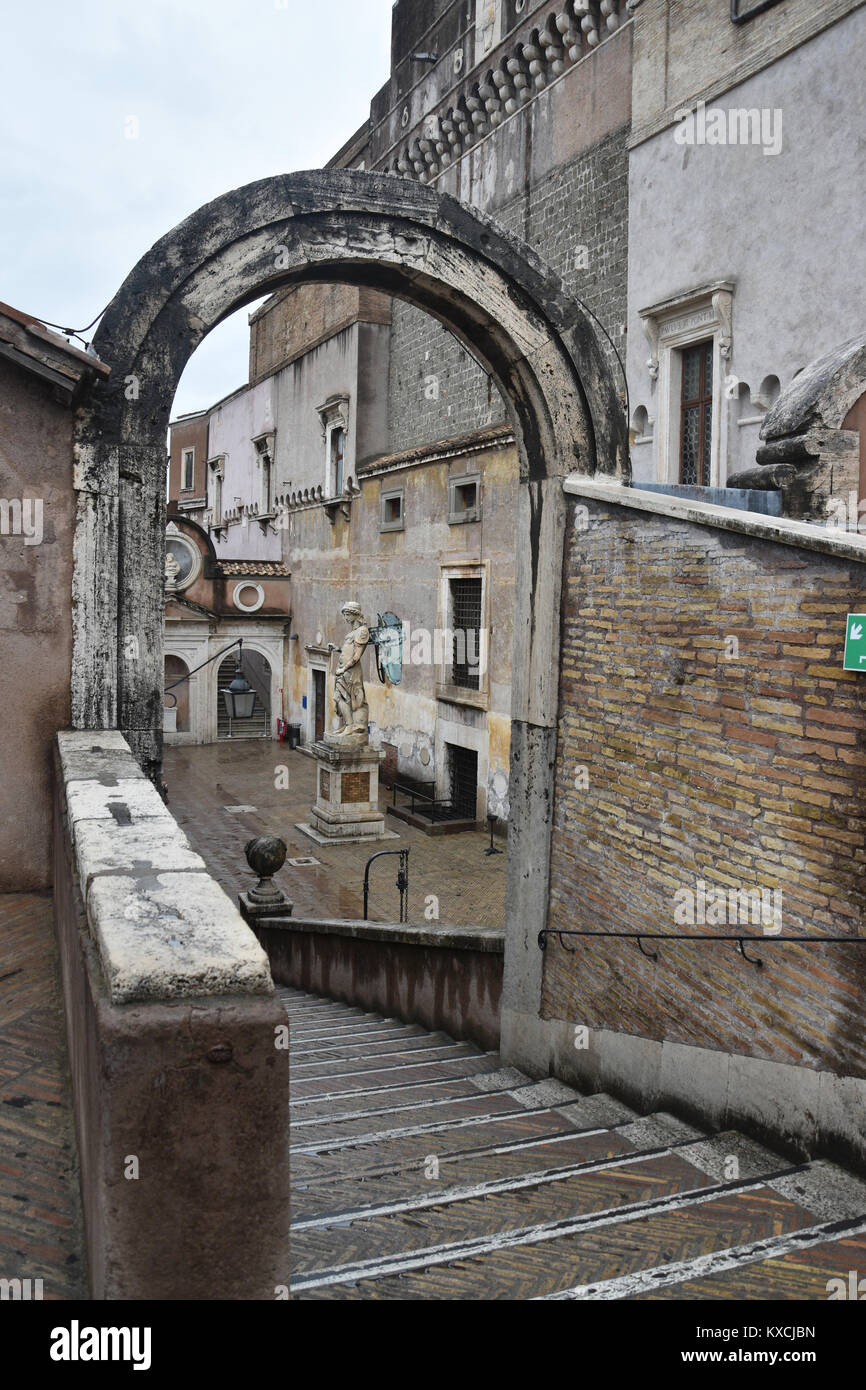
x=651 y=329
x=723 y=307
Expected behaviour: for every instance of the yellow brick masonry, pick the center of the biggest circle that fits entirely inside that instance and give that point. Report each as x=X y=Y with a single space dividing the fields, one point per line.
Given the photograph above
x=745 y=771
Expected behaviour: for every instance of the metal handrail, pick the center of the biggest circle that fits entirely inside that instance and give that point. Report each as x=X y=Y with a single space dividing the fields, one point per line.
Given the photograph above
x=402 y=883
x=739 y=937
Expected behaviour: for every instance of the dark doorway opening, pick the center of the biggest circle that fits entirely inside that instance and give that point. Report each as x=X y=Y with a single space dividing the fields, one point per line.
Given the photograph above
x=319 y=704
x=463 y=772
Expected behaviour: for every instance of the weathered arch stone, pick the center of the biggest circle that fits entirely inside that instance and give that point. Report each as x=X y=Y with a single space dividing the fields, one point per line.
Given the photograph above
x=329 y=225
x=419 y=245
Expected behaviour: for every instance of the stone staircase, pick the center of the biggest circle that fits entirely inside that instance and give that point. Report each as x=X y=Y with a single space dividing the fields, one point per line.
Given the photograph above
x=422 y=1168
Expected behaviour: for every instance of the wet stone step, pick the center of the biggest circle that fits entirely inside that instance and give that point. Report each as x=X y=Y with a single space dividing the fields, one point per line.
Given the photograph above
x=389 y=1097
x=524 y=1206
x=486 y=1134
x=342 y=1048
x=596 y=1253
x=385 y=1077
x=819 y=1271
x=471 y=1164
x=408 y=1054
x=330 y=1190
x=363 y=1127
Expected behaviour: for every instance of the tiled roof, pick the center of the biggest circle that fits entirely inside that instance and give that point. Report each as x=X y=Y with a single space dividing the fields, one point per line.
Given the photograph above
x=265 y=568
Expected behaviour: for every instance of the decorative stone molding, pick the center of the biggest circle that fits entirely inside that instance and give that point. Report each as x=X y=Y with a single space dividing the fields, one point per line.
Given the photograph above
x=177 y=577
x=707 y=309
x=536 y=58
x=240 y=589
x=670 y=326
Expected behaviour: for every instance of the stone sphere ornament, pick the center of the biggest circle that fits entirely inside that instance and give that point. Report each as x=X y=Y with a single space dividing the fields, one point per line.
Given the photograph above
x=266 y=855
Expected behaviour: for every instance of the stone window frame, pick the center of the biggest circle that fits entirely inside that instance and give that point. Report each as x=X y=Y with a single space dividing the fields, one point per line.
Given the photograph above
x=186 y=451
x=445 y=687
x=464 y=515
x=216 y=478
x=248 y=607
x=387 y=495
x=683 y=321
x=264 y=445
x=334 y=415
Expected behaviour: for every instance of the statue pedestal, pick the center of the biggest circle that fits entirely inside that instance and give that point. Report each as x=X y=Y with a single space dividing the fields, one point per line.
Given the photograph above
x=347 y=795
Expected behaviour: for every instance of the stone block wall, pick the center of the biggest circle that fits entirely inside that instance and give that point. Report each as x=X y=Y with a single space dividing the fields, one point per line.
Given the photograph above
x=576 y=218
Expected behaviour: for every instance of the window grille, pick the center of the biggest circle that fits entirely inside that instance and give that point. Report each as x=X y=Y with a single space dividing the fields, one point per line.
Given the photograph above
x=466 y=628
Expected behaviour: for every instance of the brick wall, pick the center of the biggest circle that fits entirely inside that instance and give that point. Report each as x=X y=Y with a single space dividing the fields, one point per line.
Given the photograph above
x=303 y=316
x=437 y=389
x=707 y=732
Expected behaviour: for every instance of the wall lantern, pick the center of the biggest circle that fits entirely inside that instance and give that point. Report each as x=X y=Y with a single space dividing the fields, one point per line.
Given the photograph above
x=239 y=698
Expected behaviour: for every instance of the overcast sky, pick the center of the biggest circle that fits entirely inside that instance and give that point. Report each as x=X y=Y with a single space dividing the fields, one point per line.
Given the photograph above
x=216 y=93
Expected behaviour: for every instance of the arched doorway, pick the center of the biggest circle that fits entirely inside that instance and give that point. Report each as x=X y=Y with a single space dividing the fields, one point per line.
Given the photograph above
x=176 y=718
x=257 y=672
x=415 y=244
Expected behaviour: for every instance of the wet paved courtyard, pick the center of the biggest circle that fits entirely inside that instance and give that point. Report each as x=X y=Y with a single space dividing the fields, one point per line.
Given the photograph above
x=225 y=793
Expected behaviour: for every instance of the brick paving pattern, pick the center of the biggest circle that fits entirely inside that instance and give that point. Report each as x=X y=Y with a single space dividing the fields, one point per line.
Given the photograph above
x=424 y=1169
x=203 y=781
x=40 y=1221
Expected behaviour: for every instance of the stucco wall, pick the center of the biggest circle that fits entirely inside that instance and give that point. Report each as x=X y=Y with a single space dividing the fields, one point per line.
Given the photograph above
x=35 y=622
x=767 y=222
x=400 y=571
x=233 y=424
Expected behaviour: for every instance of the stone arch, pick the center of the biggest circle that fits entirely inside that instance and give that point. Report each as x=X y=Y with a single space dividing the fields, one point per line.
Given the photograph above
x=416 y=244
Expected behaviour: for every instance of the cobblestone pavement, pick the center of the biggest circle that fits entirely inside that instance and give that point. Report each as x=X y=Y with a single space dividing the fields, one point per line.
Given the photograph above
x=423 y=1169
x=204 y=781
x=40 y=1220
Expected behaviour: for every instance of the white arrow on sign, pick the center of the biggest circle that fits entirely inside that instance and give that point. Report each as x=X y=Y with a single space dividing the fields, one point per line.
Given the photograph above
x=856 y=632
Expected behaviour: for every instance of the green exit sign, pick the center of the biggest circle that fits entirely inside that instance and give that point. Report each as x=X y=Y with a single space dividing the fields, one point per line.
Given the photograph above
x=855 y=643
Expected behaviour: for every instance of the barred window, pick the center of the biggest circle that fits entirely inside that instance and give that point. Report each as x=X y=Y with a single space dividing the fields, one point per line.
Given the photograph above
x=466 y=627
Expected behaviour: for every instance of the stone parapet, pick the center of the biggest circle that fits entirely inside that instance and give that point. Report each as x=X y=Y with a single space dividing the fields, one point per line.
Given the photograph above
x=163 y=928
x=172 y=1027
x=442 y=977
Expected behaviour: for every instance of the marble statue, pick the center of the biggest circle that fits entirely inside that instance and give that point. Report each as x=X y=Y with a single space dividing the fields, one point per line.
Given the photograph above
x=350 y=697
x=172 y=570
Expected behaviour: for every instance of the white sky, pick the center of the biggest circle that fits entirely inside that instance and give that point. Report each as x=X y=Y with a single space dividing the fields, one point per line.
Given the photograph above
x=223 y=92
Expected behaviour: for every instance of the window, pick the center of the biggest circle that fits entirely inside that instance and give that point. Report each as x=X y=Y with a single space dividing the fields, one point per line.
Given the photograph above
x=334 y=417
x=264 y=447
x=186 y=563
x=461 y=639
x=464 y=499
x=466 y=597
x=391 y=510
x=338 y=445
x=691 y=349
x=216 y=494
x=188 y=470
x=696 y=414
